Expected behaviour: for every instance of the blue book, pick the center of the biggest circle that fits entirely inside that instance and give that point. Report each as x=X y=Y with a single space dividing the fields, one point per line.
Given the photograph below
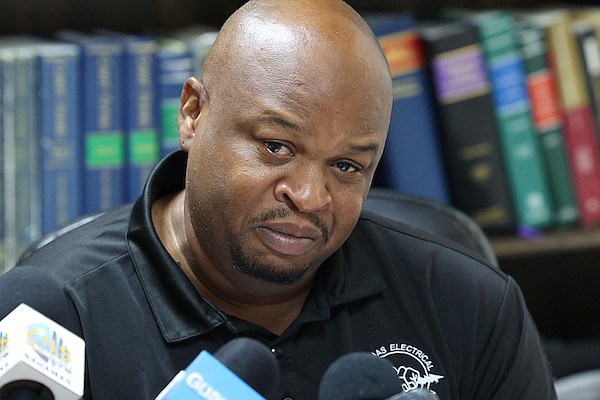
x=175 y=64
x=2 y=222
x=60 y=133
x=101 y=95
x=141 y=120
x=20 y=191
x=413 y=160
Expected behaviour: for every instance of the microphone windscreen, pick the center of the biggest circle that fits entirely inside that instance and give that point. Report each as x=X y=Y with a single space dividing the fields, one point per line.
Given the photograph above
x=359 y=376
x=252 y=362
x=415 y=394
x=40 y=290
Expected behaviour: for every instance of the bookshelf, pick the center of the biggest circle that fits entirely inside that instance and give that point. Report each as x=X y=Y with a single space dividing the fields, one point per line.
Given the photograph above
x=572 y=240
x=557 y=272
x=35 y=16
x=559 y=276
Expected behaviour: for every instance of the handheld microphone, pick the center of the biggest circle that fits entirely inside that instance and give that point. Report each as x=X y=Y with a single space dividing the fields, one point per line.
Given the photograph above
x=364 y=376
x=243 y=369
x=39 y=358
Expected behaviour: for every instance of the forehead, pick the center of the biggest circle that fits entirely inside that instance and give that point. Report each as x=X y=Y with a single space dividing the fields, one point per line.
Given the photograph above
x=285 y=65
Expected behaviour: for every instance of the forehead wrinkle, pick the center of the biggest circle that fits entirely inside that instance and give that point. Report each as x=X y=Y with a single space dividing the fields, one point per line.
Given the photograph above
x=277 y=120
x=367 y=148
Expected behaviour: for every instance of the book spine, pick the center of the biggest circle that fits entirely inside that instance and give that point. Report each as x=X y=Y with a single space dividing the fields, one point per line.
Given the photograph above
x=60 y=138
x=175 y=65
x=27 y=175
x=8 y=138
x=468 y=129
x=104 y=145
x=522 y=158
x=589 y=52
x=20 y=158
x=581 y=140
x=141 y=121
x=413 y=137
x=3 y=111
x=546 y=114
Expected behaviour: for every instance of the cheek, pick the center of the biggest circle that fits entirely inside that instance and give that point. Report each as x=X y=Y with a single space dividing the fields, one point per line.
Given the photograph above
x=346 y=214
x=228 y=184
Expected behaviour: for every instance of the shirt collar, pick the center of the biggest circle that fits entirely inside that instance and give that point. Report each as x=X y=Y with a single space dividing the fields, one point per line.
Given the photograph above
x=181 y=312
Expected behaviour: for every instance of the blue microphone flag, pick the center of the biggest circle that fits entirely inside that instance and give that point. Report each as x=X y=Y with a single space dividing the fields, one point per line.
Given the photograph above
x=207 y=379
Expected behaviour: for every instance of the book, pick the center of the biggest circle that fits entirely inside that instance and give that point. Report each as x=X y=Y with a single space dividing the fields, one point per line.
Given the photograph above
x=468 y=127
x=101 y=97
x=198 y=39
x=579 y=129
x=175 y=64
x=585 y=30
x=546 y=115
x=412 y=161
x=2 y=186
x=20 y=160
x=59 y=133
x=523 y=161
x=141 y=120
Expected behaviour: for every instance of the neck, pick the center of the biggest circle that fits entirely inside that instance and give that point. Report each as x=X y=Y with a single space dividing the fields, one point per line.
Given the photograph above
x=274 y=312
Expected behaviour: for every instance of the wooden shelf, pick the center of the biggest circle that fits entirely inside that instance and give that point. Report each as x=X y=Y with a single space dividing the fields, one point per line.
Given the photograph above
x=548 y=243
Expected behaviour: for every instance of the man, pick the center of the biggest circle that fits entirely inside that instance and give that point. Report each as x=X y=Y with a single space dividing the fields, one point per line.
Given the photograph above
x=255 y=229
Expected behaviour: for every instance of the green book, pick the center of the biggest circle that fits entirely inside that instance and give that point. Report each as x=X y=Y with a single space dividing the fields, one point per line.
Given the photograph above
x=528 y=179
x=546 y=114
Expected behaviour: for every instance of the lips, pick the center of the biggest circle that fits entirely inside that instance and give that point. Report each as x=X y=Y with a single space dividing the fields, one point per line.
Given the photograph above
x=288 y=239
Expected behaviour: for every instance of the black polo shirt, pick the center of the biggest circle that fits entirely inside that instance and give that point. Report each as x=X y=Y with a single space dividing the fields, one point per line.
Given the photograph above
x=447 y=321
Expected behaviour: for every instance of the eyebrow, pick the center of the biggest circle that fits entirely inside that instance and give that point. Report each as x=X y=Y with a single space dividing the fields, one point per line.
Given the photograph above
x=280 y=121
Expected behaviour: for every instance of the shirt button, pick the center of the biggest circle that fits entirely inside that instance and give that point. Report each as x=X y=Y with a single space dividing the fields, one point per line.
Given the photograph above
x=287 y=398
x=277 y=352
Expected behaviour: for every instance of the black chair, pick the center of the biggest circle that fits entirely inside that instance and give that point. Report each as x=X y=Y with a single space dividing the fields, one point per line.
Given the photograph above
x=433 y=217
x=51 y=236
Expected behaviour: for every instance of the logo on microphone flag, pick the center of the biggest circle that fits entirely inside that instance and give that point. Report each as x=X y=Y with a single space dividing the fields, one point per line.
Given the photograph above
x=49 y=346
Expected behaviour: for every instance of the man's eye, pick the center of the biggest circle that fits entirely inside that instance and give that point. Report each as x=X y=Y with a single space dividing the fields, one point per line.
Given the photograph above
x=346 y=167
x=278 y=148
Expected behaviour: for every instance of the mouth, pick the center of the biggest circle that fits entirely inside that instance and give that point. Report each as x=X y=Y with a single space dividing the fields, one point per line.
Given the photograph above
x=288 y=239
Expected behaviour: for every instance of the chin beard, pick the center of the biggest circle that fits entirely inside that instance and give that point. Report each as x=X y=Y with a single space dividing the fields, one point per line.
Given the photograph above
x=266 y=273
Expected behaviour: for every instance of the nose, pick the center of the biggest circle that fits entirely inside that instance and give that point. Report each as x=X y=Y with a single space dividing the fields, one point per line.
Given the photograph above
x=304 y=189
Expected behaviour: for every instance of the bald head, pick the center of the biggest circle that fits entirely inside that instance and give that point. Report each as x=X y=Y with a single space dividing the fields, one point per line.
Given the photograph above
x=268 y=36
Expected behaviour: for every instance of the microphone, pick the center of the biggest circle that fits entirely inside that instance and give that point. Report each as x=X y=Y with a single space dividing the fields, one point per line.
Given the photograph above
x=415 y=394
x=39 y=358
x=364 y=376
x=243 y=369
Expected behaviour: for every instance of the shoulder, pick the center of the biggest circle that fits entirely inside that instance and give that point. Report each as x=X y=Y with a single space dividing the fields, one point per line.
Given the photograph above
x=381 y=234
x=437 y=279
x=407 y=256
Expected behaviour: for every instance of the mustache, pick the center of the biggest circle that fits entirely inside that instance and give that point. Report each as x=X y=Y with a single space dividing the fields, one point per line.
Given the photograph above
x=283 y=212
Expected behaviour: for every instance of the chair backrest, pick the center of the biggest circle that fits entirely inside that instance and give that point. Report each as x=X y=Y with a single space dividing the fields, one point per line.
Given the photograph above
x=431 y=216
x=53 y=235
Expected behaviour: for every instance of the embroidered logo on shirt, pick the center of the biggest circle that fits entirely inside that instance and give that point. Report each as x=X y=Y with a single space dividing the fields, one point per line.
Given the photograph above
x=412 y=365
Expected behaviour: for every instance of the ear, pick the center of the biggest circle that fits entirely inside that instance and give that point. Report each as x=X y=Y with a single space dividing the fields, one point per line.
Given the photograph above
x=193 y=105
